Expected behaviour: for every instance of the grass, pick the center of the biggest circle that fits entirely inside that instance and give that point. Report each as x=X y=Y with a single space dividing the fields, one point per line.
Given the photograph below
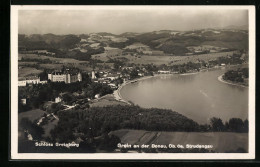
x=32 y=115
x=107 y=100
x=221 y=141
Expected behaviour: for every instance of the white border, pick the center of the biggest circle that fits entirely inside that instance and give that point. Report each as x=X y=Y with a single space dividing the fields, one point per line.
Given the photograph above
x=128 y=156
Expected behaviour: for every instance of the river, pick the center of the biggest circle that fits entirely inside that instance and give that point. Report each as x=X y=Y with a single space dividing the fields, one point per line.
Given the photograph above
x=199 y=96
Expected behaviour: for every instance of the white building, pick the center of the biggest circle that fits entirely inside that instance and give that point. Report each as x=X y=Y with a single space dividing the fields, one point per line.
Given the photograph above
x=65 y=77
x=97 y=96
x=23 y=101
x=30 y=80
x=57 y=99
x=112 y=85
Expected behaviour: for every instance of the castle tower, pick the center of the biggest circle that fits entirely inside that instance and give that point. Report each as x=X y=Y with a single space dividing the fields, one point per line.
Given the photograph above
x=93 y=75
x=50 y=76
x=79 y=77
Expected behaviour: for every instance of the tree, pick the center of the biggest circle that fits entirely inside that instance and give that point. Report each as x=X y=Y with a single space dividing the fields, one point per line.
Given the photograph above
x=68 y=98
x=133 y=74
x=246 y=126
x=109 y=142
x=32 y=128
x=43 y=75
x=236 y=125
x=217 y=124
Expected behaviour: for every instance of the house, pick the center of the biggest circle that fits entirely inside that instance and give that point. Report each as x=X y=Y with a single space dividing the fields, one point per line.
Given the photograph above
x=140 y=74
x=97 y=96
x=57 y=100
x=23 y=101
x=112 y=85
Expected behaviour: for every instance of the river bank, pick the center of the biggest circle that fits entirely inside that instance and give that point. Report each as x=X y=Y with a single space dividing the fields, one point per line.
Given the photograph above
x=220 y=78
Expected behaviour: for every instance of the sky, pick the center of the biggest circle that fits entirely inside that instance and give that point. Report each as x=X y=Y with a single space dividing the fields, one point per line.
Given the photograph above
x=123 y=20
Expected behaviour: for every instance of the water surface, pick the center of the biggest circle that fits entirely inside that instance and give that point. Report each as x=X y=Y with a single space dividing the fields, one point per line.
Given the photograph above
x=199 y=96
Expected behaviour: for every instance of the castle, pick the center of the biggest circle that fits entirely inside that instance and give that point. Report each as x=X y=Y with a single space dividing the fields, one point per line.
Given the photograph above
x=67 y=77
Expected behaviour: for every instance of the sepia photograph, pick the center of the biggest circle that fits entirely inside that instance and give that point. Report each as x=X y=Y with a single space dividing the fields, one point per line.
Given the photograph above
x=132 y=82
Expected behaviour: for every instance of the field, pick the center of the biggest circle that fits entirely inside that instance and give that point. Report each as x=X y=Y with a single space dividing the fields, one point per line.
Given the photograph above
x=158 y=60
x=56 y=64
x=221 y=141
x=105 y=101
x=28 y=71
x=54 y=59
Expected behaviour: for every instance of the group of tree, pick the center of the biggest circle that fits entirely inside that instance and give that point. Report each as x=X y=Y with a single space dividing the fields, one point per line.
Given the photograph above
x=236 y=75
x=183 y=68
x=99 y=120
x=233 y=125
x=41 y=61
x=117 y=64
x=233 y=59
x=96 y=121
x=134 y=74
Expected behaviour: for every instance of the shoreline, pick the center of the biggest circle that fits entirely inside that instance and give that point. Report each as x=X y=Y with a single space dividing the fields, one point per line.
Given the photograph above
x=117 y=94
x=220 y=78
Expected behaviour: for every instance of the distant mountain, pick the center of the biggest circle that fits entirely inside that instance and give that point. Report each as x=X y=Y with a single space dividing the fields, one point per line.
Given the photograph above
x=168 y=41
x=233 y=27
x=129 y=34
x=105 y=34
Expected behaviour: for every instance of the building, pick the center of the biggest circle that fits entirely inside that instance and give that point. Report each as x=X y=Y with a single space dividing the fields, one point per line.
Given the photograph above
x=164 y=72
x=57 y=99
x=67 y=77
x=23 y=101
x=112 y=85
x=22 y=83
x=30 y=80
x=97 y=96
x=141 y=74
